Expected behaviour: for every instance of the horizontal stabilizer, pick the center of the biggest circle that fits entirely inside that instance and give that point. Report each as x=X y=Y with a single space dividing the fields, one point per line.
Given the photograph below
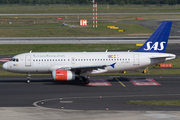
x=166 y=56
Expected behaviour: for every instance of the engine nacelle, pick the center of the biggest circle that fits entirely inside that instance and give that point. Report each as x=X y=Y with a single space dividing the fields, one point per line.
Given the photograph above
x=63 y=75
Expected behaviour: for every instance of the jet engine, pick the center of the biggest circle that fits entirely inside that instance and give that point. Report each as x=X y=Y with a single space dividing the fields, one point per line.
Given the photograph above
x=63 y=75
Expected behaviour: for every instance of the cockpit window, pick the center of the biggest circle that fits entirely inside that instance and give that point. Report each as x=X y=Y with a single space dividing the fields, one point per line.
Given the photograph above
x=14 y=59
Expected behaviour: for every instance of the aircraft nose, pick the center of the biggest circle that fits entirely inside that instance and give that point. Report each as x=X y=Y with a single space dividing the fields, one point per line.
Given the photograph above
x=4 y=66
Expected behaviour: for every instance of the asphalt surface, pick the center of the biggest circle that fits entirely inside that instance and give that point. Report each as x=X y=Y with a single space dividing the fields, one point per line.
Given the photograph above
x=77 y=40
x=15 y=92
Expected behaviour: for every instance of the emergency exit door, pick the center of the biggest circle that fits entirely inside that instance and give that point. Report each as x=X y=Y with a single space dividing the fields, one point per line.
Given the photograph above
x=28 y=61
x=136 y=59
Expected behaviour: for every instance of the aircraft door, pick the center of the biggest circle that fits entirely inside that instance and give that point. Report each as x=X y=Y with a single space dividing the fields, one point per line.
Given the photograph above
x=28 y=61
x=136 y=59
x=73 y=60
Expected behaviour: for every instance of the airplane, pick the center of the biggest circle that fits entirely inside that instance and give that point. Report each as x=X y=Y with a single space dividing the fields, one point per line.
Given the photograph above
x=65 y=66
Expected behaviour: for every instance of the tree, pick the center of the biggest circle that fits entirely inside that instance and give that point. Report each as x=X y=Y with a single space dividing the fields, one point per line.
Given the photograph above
x=112 y=2
x=138 y=2
x=4 y=1
x=172 y=2
x=122 y=3
x=83 y=1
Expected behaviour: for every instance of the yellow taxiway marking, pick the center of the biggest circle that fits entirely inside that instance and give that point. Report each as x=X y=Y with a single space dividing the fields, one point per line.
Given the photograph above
x=120 y=82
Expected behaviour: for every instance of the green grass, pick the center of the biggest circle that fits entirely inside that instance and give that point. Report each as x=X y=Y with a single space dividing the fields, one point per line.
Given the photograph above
x=139 y=72
x=102 y=30
x=50 y=26
x=86 y=9
x=21 y=26
x=7 y=49
x=6 y=73
x=160 y=102
x=70 y=18
x=164 y=72
x=175 y=63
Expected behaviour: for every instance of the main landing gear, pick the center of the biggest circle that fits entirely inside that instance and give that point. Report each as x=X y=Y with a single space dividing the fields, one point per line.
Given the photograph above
x=28 y=78
x=85 y=80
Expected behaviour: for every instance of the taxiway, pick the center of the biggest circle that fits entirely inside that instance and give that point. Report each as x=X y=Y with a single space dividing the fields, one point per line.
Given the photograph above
x=74 y=95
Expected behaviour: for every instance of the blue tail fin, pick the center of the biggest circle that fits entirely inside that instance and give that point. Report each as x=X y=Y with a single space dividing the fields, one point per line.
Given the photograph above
x=157 y=42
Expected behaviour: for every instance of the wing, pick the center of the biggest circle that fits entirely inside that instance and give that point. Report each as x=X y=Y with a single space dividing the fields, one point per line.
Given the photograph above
x=81 y=69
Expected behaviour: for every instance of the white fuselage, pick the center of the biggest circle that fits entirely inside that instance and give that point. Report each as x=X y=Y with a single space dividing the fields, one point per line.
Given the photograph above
x=47 y=62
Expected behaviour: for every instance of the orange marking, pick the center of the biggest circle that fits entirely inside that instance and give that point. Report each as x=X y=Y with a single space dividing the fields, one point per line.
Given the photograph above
x=61 y=75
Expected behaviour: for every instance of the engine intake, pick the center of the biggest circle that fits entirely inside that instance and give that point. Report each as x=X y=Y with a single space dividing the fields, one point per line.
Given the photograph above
x=63 y=75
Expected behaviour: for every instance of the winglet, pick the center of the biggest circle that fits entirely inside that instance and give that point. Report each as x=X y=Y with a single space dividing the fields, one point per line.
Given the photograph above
x=112 y=65
x=157 y=42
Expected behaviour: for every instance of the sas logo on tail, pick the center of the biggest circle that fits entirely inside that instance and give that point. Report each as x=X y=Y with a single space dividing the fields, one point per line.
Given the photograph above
x=155 y=46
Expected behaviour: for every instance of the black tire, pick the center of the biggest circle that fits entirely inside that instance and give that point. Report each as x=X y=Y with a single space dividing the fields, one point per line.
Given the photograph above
x=85 y=80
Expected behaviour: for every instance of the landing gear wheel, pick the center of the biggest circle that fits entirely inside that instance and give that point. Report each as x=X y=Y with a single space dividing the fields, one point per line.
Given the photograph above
x=28 y=81
x=85 y=80
x=28 y=78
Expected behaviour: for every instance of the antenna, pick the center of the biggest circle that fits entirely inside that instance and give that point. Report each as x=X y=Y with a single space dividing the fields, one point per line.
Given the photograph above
x=106 y=50
x=30 y=51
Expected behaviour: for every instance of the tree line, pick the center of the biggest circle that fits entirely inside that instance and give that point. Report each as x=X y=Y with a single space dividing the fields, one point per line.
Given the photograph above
x=112 y=2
